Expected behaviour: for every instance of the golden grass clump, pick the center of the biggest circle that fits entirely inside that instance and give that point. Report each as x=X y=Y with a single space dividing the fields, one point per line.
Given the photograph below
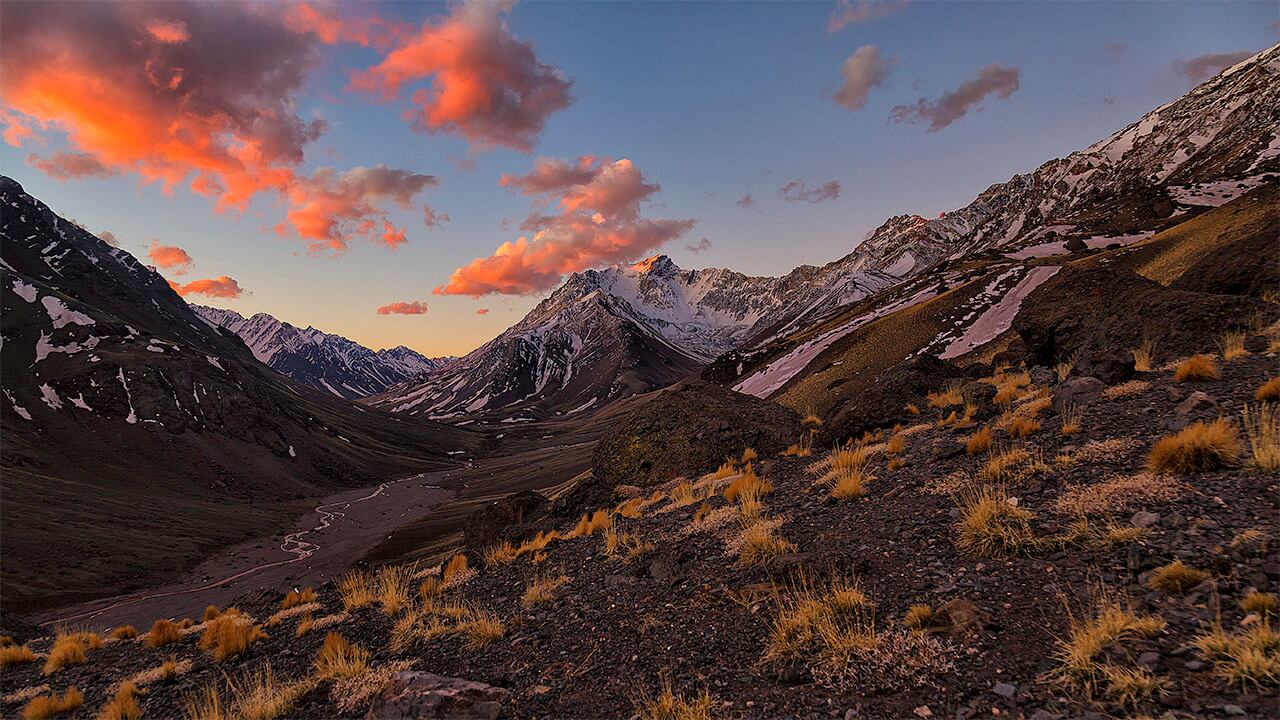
x=1142 y=356
x=726 y=469
x=338 y=659
x=1197 y=367
x=1072 y=417
x=393 y=588
x=991 y=524
x=1125 y=389
x=1002 y=464
x=748 y=455
x=16 y=655
x=630 y=509
x=124 y=632
x=1249 y=656
x=1128 y=686
x=455 y=569
x=1022 y=427
x=1063 y=369
x=597 y=521
x=758 y=543
x=948 y=396
x=210 y=612
x=1176 y=578
x=670 y=706
x=261 y=695
x=67 y=650
x=747 y=485
x=1268 y=391
x=52 y=705
x=163 y=632
x=1262 y=428
x=811 y=420
x=542 y=590
x=918 y=616
x=481 y=627
x=895 y=464
x=206 y=704
x=295 y=598
x=979 y=442
x=1010 y=385
x=357 y=589
x=1081 y=662
x=1232 y=345
x=852 y=482
x=123 y=705
x=911 y=409
x=1199 y=447
x=896 y=444
x=1259 y=602
x=229 y=635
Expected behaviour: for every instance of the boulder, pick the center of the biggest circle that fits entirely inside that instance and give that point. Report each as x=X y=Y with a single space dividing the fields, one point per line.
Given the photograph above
x=906 y=382
x=1075 y=245
x=415 y=694
x=958 y=618
x=1043 y=376
x=1110 y=366
x=1078 y=391
x=1197 y=406
x=502 y=520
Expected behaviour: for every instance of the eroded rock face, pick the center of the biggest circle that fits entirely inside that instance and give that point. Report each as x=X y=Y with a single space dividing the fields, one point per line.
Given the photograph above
x=905 y=383
x=504 y=519
x=415 y=694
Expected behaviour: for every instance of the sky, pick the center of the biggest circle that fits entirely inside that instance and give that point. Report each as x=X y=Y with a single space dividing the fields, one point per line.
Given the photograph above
x=422 y=174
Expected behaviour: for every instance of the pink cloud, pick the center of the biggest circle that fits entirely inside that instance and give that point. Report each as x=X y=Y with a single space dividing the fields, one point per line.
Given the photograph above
x=220 y=287
x=746 y=201
x=997 y=80
x=862 y=71
x=70 y=166
x=1202 y=67
x=591 y=217
x=169 y=257
x=852 y=12
x=404 y=308
x=329 y=208
x=485 y=85
x=795 y=191
x=482 y=311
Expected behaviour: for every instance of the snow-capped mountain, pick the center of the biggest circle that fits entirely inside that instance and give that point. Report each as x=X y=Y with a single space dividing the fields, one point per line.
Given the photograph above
x=324 y=361
x=606 y=333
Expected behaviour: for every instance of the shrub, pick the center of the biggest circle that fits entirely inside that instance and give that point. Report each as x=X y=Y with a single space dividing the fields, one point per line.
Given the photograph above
x=758 y=544
x=1247 y=656
x=1268 y=391
x=1197 y=367
x=1262 y=427
x=16 y=655
x=1176 y=578
x=295 y=598
x=124 y=632
x=1259 y=602
x=597 y=521
x=979 y=442
x=67 y=650
x=52 y=705
x=481 y=627
x=357 y=589
x=1232 y=345
x=393 y=588
x=339 y=659
x=948 y=396
x=1197 y=448
x=990 y=524
x=748 y=486
x=1142 y=356
x=1022 y=427
x=123 y=706
x=897 y=443
x=163 y=632
x=670 y=706
x=229 y=635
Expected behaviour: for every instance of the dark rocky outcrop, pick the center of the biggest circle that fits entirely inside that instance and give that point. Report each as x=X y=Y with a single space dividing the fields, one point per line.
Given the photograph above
x=904 y=383
x=503 y=519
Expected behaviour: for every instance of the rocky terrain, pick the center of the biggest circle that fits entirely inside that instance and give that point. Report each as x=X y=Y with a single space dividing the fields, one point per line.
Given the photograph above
x=324 y=361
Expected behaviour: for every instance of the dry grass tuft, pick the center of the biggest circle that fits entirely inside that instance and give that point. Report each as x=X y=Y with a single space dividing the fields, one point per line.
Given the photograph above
x=979 y=442
x=355 y=694
x=263 y=696
x=456 y=571
x=67 y=650
x=1176 y=578
x=163 y=632
x=911 y=409
x=948 y=396
x=991 y=524
x=918 y=616
x=1002 y=465
x=339 y=659
x=211 y=612
x=542 y=590
x=1063 y=369
x=295 y=598
x=1197 y=367
x=896 y=444
x=356 y=589
x=393 y=588
x=1250 y=656
x=16 y=655
x=481 y=628
x=1117 y=493
x=1114 y=450
x=1142 y=356
x=748 y=486
x=598 y=521
x=1232 y=345
x=52 y=705
x=670 y=706
x=1072 y=417
x=1262 y=427
x=758 y=543
x=1126 y=389
x=206 y=704
x=1081 y=662
x=124 y=632
x=1199 y=447
x=230 y=635
x=123 y=706
x=1268 y=391
x=1022 y=427
x=1129 y=686
x=1259 y=602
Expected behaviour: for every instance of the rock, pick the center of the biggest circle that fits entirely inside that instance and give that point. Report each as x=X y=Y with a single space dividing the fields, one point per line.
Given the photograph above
x=1075 y=245
x=788 y=561
x=1149 y=660
x=1041 y=375
x=501 y=520
x=1079 y=391
x=1193 y=665
x=1233 y=710
x=1110 y=366
x=1144 y=519
x=1004 y=689
x=1198 y=406
x=1257 y=343
x=618 y=580
x=923 y=711
x=415 y=694
x=958 y=618
x=906 y=382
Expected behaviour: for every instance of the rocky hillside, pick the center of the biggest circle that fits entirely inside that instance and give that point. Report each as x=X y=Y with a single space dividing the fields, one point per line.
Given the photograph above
x=1031 y=543
x=324 y=361
x=136 y=436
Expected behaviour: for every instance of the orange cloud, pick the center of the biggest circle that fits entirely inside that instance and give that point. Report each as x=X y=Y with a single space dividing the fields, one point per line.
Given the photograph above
x=595 y=220
x=322 y=19
x=169 y=257
x=220 y=287
x=485 y=86
x=329 y=208
x=404 y=308
x=202 y=95
x=70 y=166
x=482 y=311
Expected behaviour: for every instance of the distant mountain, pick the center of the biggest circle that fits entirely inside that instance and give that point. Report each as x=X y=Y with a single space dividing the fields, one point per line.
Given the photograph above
x=136 y=436
x=607 y=333
x=327 y=362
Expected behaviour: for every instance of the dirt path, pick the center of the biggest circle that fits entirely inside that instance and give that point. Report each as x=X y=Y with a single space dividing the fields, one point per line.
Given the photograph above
x=349 y=524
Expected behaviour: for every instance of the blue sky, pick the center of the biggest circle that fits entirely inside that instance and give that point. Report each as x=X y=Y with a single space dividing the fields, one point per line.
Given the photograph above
x=711 y=101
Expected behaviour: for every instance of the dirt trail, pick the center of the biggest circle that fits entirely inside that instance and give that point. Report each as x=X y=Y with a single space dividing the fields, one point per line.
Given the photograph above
x=350 y=524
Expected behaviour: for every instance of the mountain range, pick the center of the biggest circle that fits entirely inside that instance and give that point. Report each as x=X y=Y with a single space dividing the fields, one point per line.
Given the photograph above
x=323 y=361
